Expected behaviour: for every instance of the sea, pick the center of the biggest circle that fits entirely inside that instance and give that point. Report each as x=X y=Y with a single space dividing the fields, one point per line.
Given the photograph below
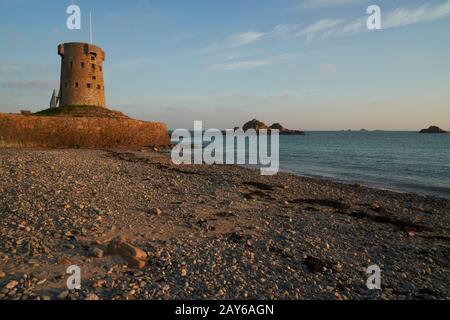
x=397 y=161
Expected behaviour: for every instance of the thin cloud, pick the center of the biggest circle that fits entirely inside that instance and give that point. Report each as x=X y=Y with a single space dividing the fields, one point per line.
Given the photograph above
x=319 y=27
x=399 y=17
x=234 y=40
x=249 y=64
x=285 y=30
x=242 y=39
x=322 y=29
x=348 y=28
x=407 y=16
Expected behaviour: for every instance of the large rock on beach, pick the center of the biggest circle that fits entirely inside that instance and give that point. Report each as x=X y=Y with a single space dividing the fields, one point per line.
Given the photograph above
x=134 y=256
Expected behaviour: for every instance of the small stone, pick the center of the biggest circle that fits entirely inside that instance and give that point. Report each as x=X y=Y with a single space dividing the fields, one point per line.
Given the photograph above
x=407 y=288
x=63 y=295
x=92 y=296
x=338 y=267
x=166 y=289
x=33 y=262
x=156 y=211
x=96 y=252
x=314 y=264
x=98 y=211
x=64 y=262
x=2 y=274
x=12 y=284
x=99 y=284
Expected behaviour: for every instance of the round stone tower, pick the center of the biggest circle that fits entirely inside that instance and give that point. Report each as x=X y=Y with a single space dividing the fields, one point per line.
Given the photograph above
x=81 y=75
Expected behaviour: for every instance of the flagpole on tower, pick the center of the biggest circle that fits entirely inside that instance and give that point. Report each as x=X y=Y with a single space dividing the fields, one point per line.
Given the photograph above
x=90 y=27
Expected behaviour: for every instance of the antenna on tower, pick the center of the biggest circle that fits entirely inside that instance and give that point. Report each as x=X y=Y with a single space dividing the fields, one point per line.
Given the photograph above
x=90 y=27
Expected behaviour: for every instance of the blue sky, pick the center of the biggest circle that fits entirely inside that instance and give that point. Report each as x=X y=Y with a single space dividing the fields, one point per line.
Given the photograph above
x=308 y=64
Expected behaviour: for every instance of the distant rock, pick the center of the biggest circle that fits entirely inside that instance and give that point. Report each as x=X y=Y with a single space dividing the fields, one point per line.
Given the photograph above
x=258 y=125
x=277 y=126
x=284 y=131
x=364 y=130
x=433 y=129
x=255 y=125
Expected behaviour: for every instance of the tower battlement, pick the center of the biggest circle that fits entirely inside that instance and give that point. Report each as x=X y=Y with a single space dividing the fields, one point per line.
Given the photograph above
x=82 y=82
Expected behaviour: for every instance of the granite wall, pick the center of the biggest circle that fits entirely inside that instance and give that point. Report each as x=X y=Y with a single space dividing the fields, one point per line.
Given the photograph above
x=23 y=131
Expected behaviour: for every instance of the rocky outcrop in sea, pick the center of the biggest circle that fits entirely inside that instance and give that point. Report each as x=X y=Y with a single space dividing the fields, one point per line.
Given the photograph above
x=433 y=129
x=258 y=125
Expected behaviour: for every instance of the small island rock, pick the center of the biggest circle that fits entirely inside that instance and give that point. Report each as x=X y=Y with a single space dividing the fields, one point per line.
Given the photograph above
x=433 y=129
x=258 y=125
x=255 y=125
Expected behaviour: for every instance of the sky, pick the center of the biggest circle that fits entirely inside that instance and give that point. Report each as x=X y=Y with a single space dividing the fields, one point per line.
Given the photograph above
x=310 y=64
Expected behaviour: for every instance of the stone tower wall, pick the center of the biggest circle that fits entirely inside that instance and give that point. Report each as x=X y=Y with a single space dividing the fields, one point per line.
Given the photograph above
x=82 y=81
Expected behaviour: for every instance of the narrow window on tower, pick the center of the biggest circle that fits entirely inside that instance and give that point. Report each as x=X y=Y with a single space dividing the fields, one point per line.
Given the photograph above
x=89 y=85
x=94 y=78
x=100 y=68
x=76 y=84
x=99 y=87
x=93 y=58
x=82 y=64
x=93 y=66
x=71 y=64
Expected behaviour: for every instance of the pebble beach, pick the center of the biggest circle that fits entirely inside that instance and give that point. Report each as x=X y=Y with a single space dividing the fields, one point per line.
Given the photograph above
x=208 y=232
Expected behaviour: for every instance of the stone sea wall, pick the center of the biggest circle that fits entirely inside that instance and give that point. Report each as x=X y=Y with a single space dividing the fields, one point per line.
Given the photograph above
x=23 y=131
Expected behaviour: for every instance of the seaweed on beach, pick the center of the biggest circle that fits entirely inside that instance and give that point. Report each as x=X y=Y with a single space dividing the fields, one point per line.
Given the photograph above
x=324 y=202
